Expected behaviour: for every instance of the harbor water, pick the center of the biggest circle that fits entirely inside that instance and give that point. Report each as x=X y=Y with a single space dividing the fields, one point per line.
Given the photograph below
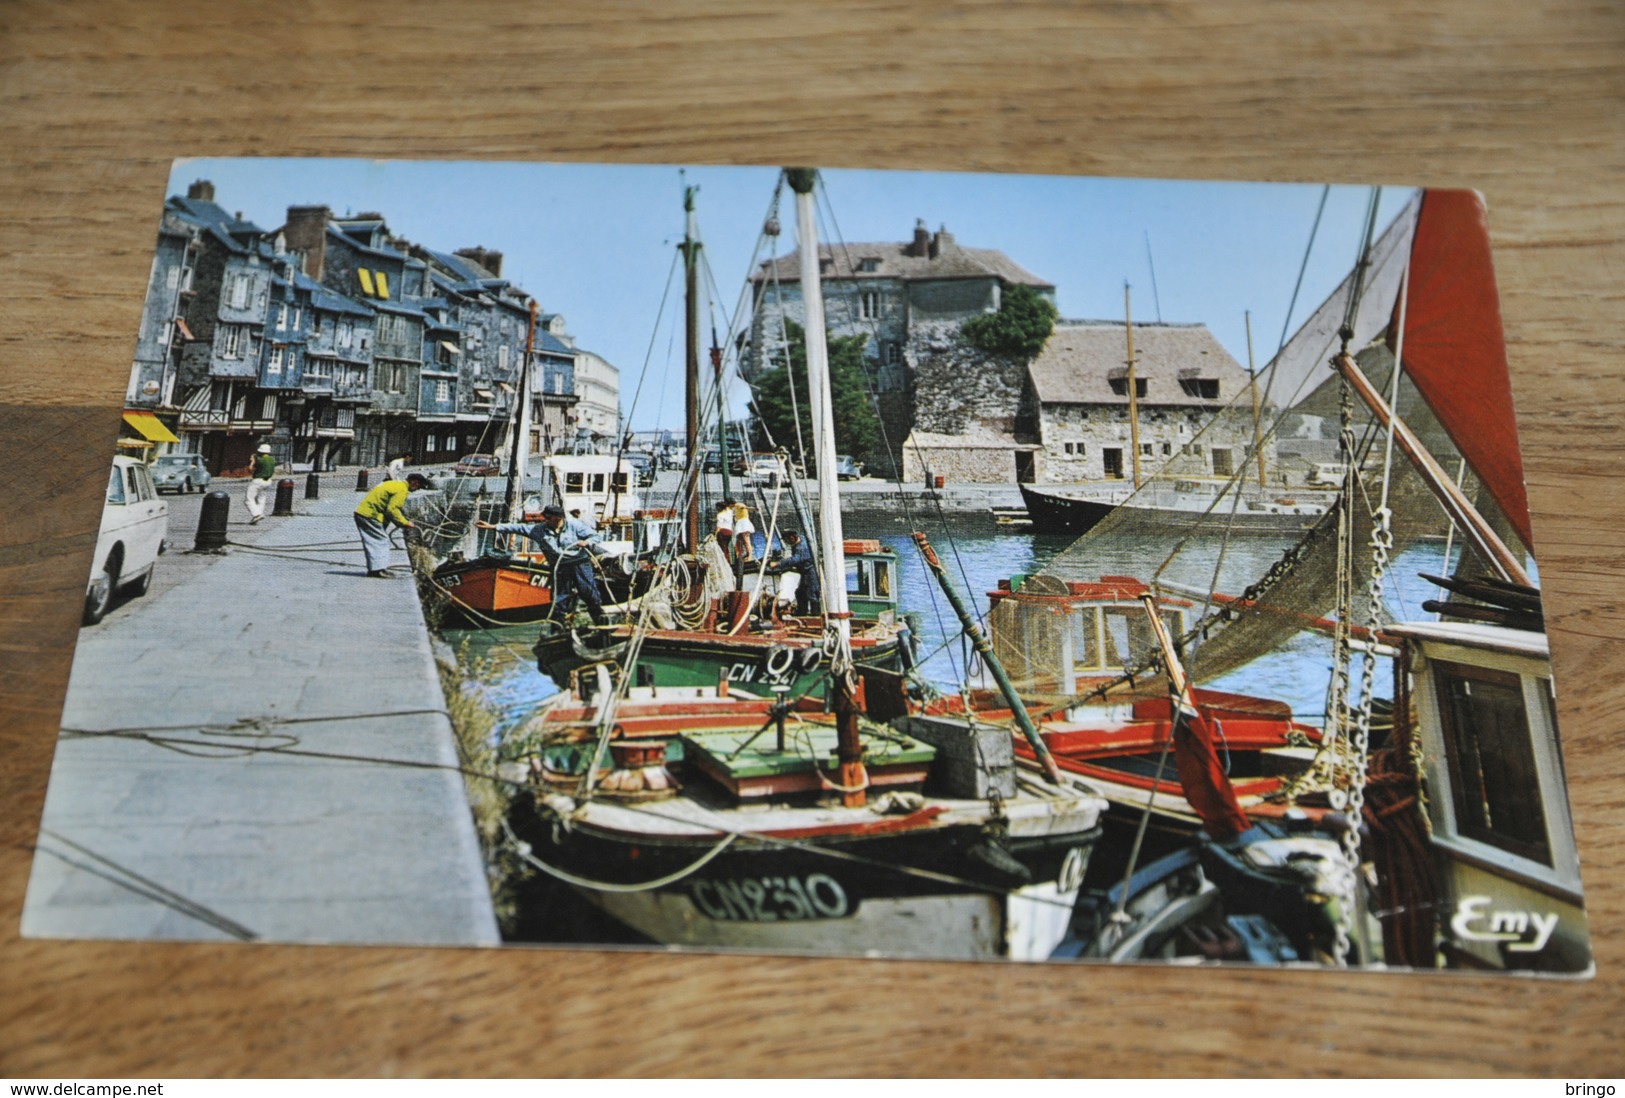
x=501 y=667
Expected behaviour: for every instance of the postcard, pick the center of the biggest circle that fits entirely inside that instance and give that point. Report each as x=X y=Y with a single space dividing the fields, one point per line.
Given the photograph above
x=847 y=563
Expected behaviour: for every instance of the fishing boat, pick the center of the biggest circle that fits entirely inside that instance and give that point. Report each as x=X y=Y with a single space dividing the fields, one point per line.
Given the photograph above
x=724 y=641
x=707 y=620
x=1463 y=832
x=498 y=587
x=1176 y=500
x=1175 y=507
x=1472 y=840
x=698 y=816
x=511 y=582
x=1081 y=657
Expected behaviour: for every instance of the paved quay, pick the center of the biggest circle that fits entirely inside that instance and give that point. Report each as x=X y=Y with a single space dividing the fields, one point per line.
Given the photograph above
x=175 y=819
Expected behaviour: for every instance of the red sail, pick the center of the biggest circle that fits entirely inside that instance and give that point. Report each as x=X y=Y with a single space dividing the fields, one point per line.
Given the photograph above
x=1454 y=348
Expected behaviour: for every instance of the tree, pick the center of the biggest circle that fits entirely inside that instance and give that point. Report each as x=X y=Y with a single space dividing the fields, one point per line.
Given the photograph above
x=1021 y=326
x=857 y=428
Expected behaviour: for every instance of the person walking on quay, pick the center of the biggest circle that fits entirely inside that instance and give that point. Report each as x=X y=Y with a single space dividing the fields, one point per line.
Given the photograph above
x=798 y=577
x=397 y=467
x=263 y=470
x=381 y=506
x=568 y=544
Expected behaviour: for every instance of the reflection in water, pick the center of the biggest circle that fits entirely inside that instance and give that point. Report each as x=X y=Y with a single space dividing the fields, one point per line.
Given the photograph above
x=501 y=663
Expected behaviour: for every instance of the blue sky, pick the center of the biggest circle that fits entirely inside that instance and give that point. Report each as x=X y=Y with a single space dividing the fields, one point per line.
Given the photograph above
x=596 y=243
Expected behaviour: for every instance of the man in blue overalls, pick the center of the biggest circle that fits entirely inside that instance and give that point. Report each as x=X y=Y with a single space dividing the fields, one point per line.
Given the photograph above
x=797 y=560
x=567 y=543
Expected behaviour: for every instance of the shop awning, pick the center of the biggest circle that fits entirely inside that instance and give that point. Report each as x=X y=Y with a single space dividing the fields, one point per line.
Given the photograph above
x=150 y=427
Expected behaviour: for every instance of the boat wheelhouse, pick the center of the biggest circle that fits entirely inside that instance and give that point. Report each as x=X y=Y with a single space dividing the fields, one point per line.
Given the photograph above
x=1500 y=831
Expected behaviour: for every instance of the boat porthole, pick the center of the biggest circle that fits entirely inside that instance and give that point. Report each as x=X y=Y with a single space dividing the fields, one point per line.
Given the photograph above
x=778 y=660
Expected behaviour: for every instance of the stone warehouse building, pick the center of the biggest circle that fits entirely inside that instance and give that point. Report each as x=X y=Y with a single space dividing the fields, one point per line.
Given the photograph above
x=1064 y=417
x=906 y=298
x=336 y=341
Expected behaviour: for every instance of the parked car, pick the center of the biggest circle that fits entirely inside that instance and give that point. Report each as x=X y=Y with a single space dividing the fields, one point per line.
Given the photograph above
x=766 y=469
x=712 y=461
x=134 y=531
x=847 y=467
x=644 y=466
x=478 y=465
x=180 y=473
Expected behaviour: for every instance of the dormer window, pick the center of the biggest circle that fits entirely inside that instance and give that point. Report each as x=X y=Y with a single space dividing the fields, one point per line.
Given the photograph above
x=1203 y=388
x=869 y=264
x=1120 y=386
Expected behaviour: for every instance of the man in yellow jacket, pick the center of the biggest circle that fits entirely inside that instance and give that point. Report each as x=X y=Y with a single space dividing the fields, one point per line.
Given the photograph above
x=382 y=505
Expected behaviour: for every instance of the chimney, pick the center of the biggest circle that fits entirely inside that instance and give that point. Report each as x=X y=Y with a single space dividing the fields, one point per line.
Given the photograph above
x=484 y=257
x=306 y=231
x=202 y=190
x=922 y=238
x=942 y=242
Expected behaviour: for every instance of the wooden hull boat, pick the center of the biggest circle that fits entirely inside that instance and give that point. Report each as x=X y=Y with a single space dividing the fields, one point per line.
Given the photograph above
x=708 y=830
x=1164 y=509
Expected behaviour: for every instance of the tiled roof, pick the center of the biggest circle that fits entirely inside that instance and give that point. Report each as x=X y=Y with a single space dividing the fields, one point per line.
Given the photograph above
x=210 y=213
x=552 y=344
x=352 y=242
x=1081 y=357
x=322 y=297
x=893 y=260
x=399 y=308
x=463 y=269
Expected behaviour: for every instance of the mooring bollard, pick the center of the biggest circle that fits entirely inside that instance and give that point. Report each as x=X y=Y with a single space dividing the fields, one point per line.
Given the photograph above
x=313 y=485
x=211 y=523
x=361 y=481
x=284 y=498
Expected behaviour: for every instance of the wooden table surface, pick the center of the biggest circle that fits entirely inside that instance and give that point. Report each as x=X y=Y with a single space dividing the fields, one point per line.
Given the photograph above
x=1525 y=101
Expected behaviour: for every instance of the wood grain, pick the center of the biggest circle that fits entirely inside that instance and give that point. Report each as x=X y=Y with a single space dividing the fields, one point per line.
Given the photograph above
x=1524 y=101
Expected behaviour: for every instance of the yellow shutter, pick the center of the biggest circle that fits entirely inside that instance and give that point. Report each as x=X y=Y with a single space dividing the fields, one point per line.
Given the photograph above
x=383 y=284
x=366 y=280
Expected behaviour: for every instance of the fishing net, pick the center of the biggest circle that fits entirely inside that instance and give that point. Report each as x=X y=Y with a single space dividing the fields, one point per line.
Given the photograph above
x=1252 y=584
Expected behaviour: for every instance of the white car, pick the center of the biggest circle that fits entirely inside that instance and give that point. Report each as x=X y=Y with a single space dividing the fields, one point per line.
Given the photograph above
x=135 y=529
x=766 y=470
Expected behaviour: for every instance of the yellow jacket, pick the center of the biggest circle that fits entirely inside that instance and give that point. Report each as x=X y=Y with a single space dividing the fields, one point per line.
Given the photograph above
x=383 y=503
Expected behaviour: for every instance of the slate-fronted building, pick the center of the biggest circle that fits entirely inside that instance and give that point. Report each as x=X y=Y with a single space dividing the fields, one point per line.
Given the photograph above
x=334 y=341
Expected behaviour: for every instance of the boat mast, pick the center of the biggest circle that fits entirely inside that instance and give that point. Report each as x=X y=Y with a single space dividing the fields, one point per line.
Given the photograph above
x=1133 y=389
x=849 y=749
x=520 y=455
x=691 y=401
x=978 y=640
x=1252 y=383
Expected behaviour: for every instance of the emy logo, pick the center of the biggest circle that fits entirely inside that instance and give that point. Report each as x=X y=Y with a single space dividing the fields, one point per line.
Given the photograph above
x=1476 y=921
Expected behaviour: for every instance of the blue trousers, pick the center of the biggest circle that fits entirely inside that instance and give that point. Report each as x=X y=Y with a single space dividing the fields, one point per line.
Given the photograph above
x=574 y=578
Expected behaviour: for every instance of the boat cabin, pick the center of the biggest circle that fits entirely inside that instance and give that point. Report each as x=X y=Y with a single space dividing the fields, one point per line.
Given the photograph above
x=1053 y=635
x=871 y=580
x=1499 y=814
x=601 y=486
